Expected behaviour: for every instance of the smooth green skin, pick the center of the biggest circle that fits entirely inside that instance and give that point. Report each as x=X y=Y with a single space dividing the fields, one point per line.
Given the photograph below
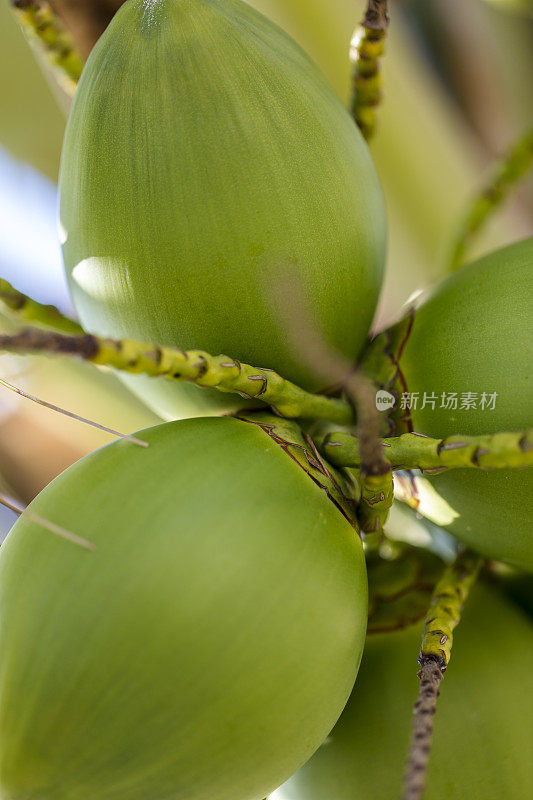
x=474 y=334
x=483 y=726
x=207 y=646
x=205 y=156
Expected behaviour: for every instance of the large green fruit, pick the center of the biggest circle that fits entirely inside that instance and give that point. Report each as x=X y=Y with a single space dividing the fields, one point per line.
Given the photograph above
x=205 y=155
x=483 y=731
x=206 y=647
x=473 y=334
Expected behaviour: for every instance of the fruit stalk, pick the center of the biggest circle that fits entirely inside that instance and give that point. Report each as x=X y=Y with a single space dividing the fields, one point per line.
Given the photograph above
x=375 y=475
x=415 y=451
x=377 y=490
x=367 y=47
x=506 y=174
x=377 y=497
x=28 y=310
x=48 y=36
x=342 y=489
x=196 y=366
x=443 y=616
x=334 y=369
x=381 y=360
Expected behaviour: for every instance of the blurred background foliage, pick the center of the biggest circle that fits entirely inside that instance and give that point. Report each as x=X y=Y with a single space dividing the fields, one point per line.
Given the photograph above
x=458 y=90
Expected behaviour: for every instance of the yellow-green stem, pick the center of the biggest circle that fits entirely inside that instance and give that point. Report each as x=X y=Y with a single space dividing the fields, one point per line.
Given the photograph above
x=196 y=366
x=442 y=618
x=504 y=178
x=444 y=612
x=377 y=496
x=28 y=310
x=413 y=451
x=47 y=34
x=367 y=47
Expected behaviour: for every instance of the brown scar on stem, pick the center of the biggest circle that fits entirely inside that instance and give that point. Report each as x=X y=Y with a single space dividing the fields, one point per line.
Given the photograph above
x=524 y=445
x=444 y=444
x=259 y=378
x=376 y=16
x=323 y=465
x=155 y=355
x=201 y=366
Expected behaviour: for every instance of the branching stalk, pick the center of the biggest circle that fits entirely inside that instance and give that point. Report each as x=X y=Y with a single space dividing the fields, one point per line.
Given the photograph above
x=220 y=372
x=381 y=360
x=414 y=451
x=333 y=368
x=367 y=47
x=504 y=178
x=47 y=34
x=444 y=612
x=377 y=497
x=28 y=310
x=443 y=617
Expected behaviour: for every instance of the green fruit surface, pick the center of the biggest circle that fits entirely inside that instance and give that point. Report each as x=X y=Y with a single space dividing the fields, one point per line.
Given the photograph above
x=483 y=726
x=205 y=156
x=474 y=333
x=204 y=649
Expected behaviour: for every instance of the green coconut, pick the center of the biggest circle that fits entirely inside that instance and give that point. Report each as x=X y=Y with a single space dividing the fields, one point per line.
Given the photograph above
x=206 y=646
x=473 y=334
x=205 y=156
x=482 y=735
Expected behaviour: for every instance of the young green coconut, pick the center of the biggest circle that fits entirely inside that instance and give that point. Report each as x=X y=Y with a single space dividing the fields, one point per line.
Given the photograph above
x=482 y=737
x=204 y=648
x=468 y=360
x=204 y=154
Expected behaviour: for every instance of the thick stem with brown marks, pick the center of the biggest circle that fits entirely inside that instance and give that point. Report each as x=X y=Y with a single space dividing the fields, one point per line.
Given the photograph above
x=444 y=612
x=27 y=310
x=51 y=39
x=377 y=497
x=442 y=618
x=367 y=47
x=221 y=372
x=414 y=451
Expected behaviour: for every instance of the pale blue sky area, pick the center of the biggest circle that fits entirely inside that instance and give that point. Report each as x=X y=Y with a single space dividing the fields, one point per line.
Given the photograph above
x=30 y=256
x=7 y=519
